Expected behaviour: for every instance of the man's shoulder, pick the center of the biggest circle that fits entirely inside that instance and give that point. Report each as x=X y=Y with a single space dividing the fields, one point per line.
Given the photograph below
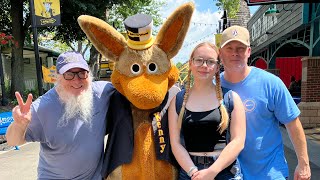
x=101 y=83
x=263 y=72
x=102 y=88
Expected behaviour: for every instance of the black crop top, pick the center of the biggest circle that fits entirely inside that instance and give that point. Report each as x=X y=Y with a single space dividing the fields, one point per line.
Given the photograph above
x=200 y=130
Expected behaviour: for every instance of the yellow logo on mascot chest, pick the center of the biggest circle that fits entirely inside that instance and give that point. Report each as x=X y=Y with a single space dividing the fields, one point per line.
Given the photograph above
x=160 y=132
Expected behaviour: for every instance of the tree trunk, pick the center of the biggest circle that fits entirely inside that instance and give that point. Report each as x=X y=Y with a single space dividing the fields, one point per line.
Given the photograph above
x=17 y=65
x=93 y=62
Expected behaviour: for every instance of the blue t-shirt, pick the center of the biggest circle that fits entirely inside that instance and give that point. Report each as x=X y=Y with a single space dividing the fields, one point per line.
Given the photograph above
x=267 y=102
x=74 y=151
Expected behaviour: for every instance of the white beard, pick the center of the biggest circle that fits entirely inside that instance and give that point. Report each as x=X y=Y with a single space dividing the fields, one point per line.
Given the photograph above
x=79 y=107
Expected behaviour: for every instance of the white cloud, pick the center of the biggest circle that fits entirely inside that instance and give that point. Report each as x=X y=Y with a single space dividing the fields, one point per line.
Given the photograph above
x=202 y=28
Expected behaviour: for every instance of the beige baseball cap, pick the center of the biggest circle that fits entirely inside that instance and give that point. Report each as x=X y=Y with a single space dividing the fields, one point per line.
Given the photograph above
x=235 y=33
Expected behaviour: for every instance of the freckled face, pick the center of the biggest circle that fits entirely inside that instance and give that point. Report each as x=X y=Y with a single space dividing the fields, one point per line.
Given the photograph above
x=207 y=70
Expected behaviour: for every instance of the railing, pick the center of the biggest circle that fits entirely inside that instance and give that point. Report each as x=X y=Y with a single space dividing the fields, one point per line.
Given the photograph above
x=30 y=84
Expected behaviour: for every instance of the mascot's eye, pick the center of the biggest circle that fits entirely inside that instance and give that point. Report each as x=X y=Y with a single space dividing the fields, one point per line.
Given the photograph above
x=135 y=68
x=152 y=67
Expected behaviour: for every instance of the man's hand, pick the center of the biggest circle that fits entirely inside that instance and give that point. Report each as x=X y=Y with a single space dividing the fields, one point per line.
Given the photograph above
x=21 y=113
x=302 y=172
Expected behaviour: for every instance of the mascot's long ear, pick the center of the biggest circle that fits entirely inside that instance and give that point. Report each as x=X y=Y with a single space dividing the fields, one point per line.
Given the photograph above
x=104 y=37
x=174 y=30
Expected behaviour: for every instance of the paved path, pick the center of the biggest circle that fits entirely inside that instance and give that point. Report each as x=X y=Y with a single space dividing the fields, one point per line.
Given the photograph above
x=20 y=164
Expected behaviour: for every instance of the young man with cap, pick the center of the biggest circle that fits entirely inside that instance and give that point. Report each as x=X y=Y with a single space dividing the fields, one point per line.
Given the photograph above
x=69 y=122
x=267 y=103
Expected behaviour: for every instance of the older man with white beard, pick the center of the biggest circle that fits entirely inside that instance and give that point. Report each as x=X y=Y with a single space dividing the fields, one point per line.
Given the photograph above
x=69 y=121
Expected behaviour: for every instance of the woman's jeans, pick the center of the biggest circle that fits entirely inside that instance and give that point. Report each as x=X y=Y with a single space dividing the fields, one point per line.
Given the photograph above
x=233 y=172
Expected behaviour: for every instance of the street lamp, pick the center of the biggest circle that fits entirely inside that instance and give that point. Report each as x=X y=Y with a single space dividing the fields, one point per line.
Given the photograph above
x=272 y=11
x=224 y=20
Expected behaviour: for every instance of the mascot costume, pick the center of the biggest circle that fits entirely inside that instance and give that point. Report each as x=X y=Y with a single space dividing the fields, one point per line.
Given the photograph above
x=138 y=145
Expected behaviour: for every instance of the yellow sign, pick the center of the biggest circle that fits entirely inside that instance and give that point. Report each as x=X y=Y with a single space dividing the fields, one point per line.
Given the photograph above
x=47 y=12
x=49 y=74
x=108 y=65
x=104 y=66
x=218 y=40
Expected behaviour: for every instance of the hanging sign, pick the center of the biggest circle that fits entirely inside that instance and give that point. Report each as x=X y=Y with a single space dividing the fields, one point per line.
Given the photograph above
x=265 y=2
x=47 y=13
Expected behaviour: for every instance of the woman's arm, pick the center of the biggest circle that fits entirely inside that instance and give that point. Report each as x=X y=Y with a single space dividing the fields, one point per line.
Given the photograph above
x=180 y=153
x=238 y=135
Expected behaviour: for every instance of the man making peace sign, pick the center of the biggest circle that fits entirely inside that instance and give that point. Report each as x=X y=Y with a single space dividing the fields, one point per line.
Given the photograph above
x=69 y=121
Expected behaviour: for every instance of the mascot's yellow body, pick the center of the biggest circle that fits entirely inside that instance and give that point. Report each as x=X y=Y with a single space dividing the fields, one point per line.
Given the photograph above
x=144 y=77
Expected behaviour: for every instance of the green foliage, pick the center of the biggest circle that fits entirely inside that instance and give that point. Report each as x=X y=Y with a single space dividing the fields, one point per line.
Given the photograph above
x=7 y=85
x=5 y=21
x=45 y=40
x=178 y=65
x=34 y=92
x=120 y=12
x=24 y=94
x=35 y=95
x=70 y=31
x=14 y=102
x=231 y=6
x=183 y=71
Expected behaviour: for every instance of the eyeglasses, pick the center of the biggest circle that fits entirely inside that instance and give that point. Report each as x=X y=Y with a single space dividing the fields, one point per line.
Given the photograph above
x=71 y=75
x=198 y=61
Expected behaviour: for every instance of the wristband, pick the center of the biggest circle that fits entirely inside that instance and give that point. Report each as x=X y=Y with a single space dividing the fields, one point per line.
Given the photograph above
x=191 y=169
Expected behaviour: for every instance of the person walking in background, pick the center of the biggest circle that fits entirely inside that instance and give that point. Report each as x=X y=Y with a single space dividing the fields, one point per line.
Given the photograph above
x=293 y=86
x=267 y=102
x=69 y=122
x=202 y=120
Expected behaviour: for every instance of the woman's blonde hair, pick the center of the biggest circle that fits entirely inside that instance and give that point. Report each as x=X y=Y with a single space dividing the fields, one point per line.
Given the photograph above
x=224 y=113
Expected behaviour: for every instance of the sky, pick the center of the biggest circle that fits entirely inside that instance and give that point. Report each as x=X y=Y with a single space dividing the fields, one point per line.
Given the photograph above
x=203 y=26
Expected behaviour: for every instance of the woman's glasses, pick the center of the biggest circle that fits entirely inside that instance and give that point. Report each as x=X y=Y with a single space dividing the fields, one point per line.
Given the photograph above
x=71 y=75
x=198 y=61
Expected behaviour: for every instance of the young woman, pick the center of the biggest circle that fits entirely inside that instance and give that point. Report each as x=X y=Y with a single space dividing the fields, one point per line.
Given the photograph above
x=195 y=132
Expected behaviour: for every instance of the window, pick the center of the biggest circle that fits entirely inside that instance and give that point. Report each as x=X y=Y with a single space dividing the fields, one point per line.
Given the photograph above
x=26 y=60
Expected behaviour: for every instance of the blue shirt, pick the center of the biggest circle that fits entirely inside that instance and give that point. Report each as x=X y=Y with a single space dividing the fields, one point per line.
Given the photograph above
x=74 y=151
x=267 y=102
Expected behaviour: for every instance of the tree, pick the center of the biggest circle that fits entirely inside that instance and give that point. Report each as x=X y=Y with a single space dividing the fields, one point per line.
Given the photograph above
x=15 y=19
x=16 y=13
x=20 y=25
x=231 y=6
x=77 y=41
x=119 y=12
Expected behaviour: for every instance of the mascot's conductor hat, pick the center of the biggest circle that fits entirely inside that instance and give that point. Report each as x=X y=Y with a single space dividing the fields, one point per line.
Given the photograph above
x=139 y=31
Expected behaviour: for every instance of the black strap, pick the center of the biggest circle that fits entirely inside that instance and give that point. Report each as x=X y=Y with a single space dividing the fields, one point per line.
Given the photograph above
x=227 y=100
x=179 y=100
